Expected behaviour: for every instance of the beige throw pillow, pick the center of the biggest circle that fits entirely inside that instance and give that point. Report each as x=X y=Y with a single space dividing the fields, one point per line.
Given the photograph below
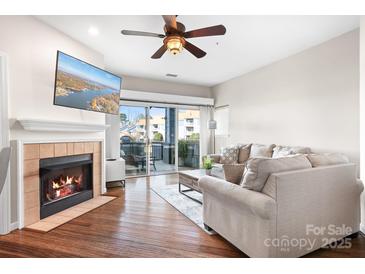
x=327 y=159
x=229 y=155
x=258 y=170
x=233 y=173
x=282 y=151
x=244 y=153
x=258 y=150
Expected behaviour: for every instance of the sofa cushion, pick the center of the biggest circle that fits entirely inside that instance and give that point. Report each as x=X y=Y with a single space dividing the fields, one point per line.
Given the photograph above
x=327 y=159
x=233 y=173
x=258 y=170
x=282 y=151
x=258 y=150
x=229 y=155
x=243 y=153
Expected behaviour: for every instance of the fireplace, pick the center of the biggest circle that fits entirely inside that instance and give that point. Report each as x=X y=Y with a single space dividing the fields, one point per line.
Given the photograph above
x=64 y=182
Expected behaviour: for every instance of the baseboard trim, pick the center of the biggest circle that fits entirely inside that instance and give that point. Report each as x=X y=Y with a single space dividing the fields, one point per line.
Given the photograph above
x=14 y=226
x=362 y=228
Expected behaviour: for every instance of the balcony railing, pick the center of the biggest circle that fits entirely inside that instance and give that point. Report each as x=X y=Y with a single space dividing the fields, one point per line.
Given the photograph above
x=163 y=151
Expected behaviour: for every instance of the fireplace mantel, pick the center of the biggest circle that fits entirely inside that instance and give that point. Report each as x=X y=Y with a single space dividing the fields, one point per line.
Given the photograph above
x=48 y=125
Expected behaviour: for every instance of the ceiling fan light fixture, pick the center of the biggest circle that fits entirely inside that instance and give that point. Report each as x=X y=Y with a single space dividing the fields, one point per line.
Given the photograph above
x=175 y=37
x=175 y=44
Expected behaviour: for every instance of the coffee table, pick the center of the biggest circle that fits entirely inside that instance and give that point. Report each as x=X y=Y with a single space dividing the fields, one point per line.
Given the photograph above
x=190 y=179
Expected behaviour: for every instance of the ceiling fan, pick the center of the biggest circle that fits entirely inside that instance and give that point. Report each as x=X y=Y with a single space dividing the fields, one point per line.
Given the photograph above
x=174 y=39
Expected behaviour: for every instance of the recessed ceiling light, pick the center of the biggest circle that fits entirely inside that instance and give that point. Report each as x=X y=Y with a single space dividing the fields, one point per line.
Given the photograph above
x=93 y=31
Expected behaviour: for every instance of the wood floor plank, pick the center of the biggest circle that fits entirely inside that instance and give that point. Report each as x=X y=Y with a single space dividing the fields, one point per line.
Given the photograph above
x=138 y=223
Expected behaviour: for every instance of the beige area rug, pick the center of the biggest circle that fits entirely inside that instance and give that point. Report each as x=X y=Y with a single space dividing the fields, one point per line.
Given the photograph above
x=60 y=218
x=191 y=209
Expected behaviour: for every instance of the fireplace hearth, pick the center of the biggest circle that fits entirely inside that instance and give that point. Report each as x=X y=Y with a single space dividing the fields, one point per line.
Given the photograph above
x=65 y=182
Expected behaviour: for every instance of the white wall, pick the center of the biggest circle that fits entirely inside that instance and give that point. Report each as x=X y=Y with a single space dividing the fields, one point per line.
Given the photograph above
x=309 y=99
x=149 y=85
x=31 y=47
x=362 y=116
x=112 y=146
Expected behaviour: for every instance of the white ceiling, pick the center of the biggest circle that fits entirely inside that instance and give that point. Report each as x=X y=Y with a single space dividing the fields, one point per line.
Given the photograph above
x=250 y=43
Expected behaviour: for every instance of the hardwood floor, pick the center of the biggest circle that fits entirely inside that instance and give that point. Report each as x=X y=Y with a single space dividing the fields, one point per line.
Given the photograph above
x=137 y=224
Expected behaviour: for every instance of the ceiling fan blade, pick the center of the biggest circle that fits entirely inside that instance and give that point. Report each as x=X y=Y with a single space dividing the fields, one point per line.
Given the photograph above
x=159 y=52
x=170 y=21
x=209 y=31
x=142 y=33
x=194 y=50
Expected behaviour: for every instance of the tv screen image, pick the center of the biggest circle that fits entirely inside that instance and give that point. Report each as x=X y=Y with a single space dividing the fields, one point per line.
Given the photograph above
x=84 y=86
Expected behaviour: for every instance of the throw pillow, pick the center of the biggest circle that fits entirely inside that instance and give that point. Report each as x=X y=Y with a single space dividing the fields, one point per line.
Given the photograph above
x=258 y=170
x=258 y=150
x=244 y=153
x=282 y=151
x=229 y=155
x=233 y=173
x=327 y=159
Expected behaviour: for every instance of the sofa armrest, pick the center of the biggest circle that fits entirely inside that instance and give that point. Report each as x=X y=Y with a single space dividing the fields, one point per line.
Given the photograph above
x=321 y=196
x=360 y=185
x=237 y=196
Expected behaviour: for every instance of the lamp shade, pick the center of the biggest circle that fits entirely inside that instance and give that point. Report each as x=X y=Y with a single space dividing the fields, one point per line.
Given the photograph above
x=212 y=124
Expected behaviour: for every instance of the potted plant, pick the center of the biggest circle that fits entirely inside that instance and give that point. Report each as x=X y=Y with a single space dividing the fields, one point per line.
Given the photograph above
x=208 y=165
x=183 y=151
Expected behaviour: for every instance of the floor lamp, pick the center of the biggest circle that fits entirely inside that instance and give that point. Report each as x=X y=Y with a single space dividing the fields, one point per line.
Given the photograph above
x=212 y=126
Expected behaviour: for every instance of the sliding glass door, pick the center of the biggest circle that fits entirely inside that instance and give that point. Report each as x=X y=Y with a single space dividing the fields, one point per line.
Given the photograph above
x=159 y=139
x=188 y=139
x=162 y=135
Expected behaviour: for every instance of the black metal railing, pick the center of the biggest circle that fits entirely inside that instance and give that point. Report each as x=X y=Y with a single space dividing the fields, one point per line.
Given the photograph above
x=139 y=149
x=164 y=151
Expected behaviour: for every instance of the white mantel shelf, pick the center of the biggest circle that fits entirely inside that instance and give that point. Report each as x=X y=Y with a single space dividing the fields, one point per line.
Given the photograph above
x=46 y=125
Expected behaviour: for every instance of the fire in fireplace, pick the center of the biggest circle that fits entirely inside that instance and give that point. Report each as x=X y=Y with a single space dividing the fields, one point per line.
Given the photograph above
x=65 y=182
x=63 y=186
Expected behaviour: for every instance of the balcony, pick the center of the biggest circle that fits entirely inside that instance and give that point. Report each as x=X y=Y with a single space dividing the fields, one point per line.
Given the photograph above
x=162 y=156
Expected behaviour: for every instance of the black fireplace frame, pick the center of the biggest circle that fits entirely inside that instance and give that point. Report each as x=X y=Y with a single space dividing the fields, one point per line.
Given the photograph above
x=49 y=165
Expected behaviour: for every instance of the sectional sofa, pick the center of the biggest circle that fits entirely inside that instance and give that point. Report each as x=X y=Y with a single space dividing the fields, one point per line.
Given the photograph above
x=286 y=202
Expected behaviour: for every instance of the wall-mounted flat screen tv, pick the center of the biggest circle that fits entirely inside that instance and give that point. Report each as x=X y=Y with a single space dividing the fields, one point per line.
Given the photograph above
x=84 y=86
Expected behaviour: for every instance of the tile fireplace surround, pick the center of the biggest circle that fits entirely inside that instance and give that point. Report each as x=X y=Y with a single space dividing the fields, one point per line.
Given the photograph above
x=29 y=156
